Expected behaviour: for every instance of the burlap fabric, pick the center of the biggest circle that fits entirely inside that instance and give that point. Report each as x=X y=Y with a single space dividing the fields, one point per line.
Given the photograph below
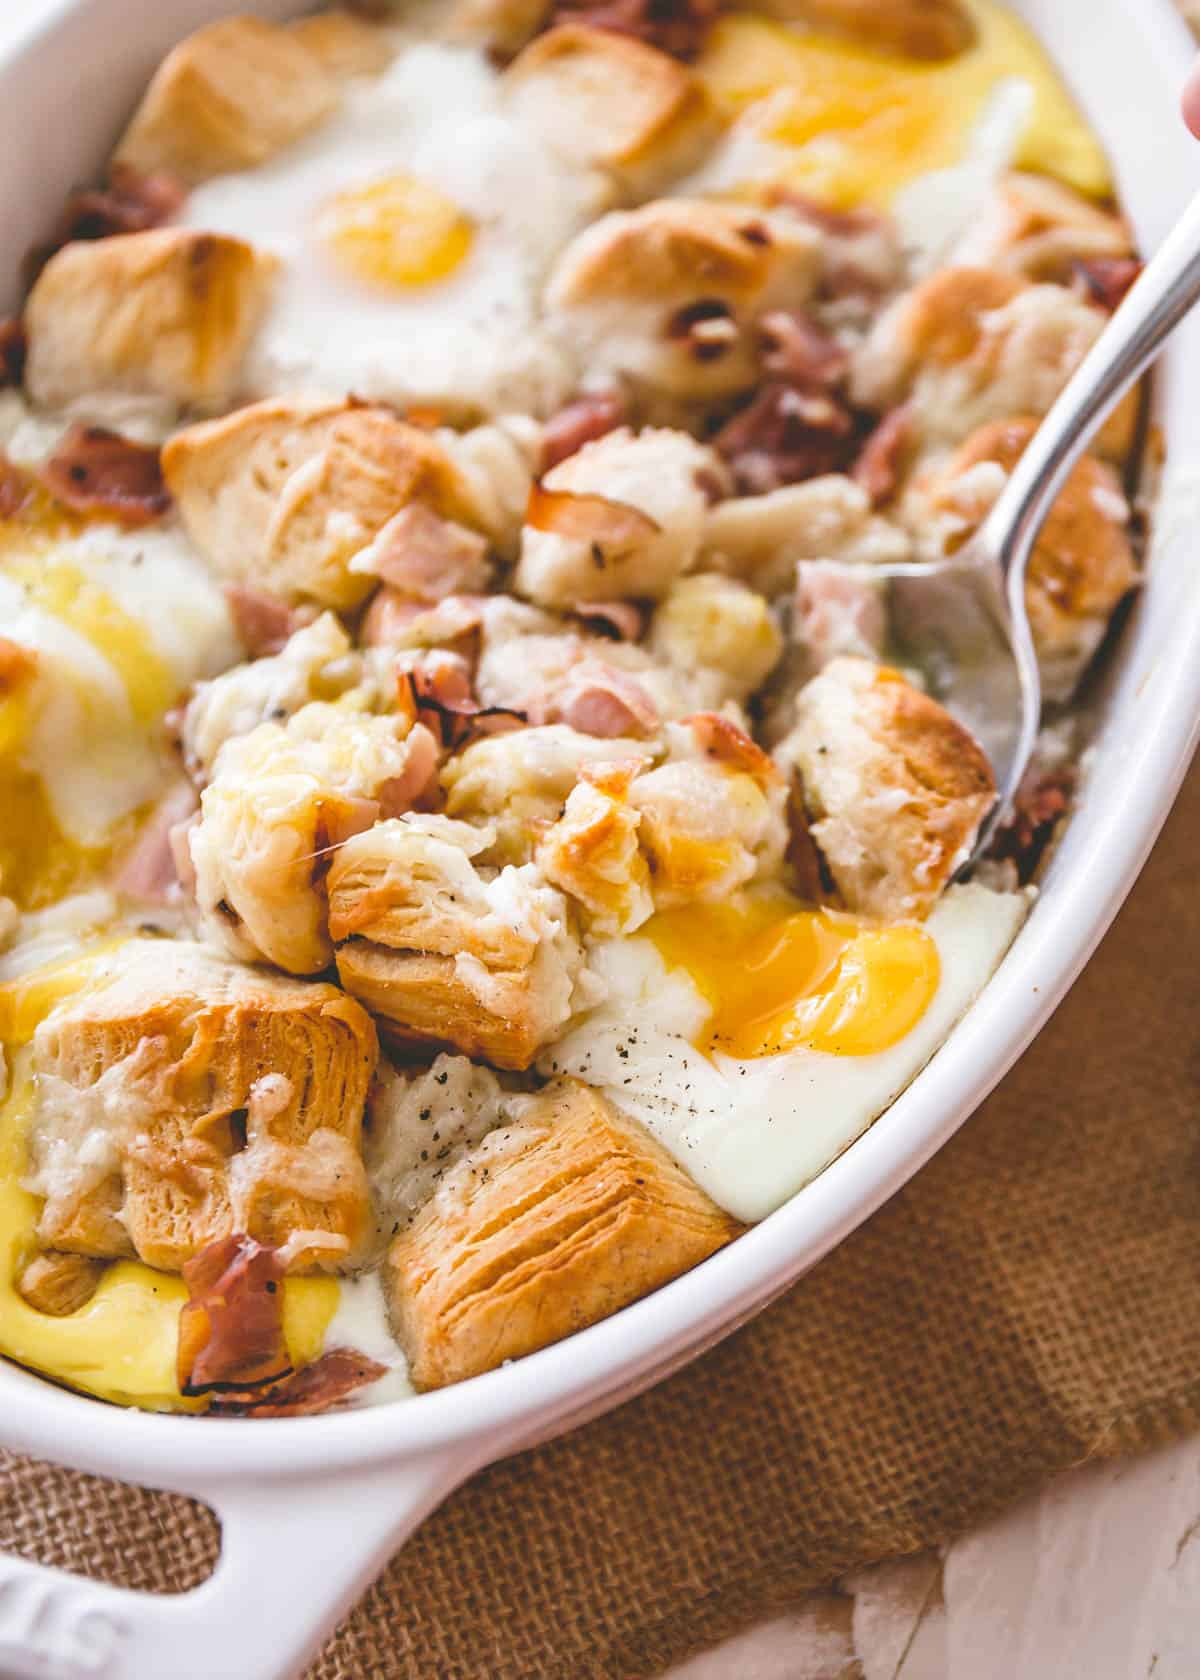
x=1031 y=1300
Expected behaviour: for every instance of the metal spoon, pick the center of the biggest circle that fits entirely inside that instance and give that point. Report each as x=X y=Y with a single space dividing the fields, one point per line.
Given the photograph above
x=982 y=595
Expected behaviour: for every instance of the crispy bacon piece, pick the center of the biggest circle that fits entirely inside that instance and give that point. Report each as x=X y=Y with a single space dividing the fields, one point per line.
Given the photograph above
x=587 y=418
x=1106 y=280
x=16 y=487
x=726 y=742
x=880 y=465
x=784 y=436
x=623 y=621
x=231 y=1327
x=392 y=616
x=130 y=203
x=17 y=666
x=1042 y=799
x=597 y=699
x=315 y=1388
x=795 y=349
x=149 y=869
x=263 y=622
x=584 y=518
x=426 y=557
x=437 y=693
x=12 y=350
x=94 y=470
x=678 y=27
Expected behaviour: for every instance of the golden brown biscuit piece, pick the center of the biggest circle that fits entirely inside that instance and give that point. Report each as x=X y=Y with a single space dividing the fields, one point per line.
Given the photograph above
x=933 y=29
x=713 y=816
x=283 y=494
x=592 y=851
x=165 y=316
x=894 y=788
x=346 y=45
x=188 y=1097
x=228 y=97
x=503 y=26
x=621 y=518
x=1083 y=563
x=444 y=956
x=551 y=1224
x=517 y=783
x=668 y=296
x=761 y=538
x=280 y=800
x=59 y=1284
x=971 y=345
x=608 y=101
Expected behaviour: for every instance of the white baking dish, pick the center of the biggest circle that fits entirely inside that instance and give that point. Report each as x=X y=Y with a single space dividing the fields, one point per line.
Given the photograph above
x=311 y=1507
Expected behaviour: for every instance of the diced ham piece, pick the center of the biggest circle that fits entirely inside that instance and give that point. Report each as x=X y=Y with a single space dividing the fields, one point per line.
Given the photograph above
x=726 y=742
x=597 y=699
x=394 y=620
x=96 y=471
x=838 y=609
x=231 y=1327
x=589 y=417
x=402 y=793
x=264 y=622
x=315 y=1388
x=427 y=557
x=624 y=621
x=149 y=870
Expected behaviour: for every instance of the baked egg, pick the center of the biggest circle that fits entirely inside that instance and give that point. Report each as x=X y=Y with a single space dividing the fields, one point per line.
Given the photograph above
x=851 y=124
x=757 y=1039
x=415 y=228
x=118 y=624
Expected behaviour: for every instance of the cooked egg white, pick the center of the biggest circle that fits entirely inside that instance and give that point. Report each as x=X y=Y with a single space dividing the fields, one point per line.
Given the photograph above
x=852 y=124
x=122 y=1344
x=415 y=228
x=121 y=623
x=756 y=1052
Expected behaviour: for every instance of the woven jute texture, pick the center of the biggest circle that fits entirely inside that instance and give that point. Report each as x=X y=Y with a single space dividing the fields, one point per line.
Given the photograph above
x=1031 y=1300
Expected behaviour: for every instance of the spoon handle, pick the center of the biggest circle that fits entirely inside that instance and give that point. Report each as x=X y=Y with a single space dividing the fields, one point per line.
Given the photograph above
x=1151 y=311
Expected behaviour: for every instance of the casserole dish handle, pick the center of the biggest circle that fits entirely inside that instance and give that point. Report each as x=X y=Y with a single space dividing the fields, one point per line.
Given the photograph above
x=294 y=1556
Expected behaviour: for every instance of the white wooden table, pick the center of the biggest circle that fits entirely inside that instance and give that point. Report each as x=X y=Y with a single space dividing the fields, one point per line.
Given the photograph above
x=1097 y=1578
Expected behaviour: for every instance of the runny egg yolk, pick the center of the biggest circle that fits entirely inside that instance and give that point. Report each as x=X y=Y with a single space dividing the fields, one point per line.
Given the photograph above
x=121 y=1345
x=858 y=123
x=780 y=976
x=38 y=863
x=396 y=231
